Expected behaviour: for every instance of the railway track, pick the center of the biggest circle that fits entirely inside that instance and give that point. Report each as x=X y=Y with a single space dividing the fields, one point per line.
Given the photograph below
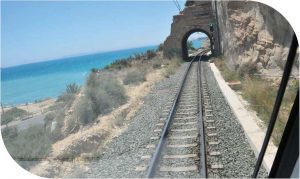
x=178 y=142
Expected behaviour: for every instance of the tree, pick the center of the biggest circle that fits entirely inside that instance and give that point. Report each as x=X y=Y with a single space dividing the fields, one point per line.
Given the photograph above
x=190 y=45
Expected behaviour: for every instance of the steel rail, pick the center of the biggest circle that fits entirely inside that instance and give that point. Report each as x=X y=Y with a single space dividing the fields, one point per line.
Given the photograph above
x=202 y=169
x=155 y=159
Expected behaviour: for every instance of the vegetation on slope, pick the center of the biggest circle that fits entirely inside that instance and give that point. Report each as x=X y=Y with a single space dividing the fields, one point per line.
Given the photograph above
x=79 y=109
x=261 y=94
x=12 y=114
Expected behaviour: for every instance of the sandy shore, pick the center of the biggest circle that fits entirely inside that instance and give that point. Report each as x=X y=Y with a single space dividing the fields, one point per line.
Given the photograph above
x=36 y=114
x=33 y=108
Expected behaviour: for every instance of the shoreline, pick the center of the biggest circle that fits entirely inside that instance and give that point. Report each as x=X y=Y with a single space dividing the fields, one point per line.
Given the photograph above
x=28 y=103
x=35 y=113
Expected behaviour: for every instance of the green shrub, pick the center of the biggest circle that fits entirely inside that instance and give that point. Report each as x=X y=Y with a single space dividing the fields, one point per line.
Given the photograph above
x=190 y=45
x=173 y=53
x=84 y=112
x=119 y=64
x=48 y=119
x=12 y=114
x=227 y=74
x=172 y=67
x=66 y=98
x=57 y=133
x=72 y=88
x=134 y=77
x=247 y=69
x=102 y=94
x=30 y=144
x=160 y=47
x=9 y=132
x=150 y=54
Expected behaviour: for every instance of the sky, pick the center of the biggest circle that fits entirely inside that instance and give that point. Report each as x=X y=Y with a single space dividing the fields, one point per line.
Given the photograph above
x=196 y=35
x=38 y=31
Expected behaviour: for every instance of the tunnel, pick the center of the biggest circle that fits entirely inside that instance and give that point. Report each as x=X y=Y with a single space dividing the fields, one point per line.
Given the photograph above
x=184 y=42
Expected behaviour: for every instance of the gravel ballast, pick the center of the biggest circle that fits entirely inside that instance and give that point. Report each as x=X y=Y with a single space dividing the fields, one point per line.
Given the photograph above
x=237 y=156
x=123 y=154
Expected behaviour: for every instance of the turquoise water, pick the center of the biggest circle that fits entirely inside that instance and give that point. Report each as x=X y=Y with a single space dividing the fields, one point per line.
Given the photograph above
x=30 y=82
x=197 y=43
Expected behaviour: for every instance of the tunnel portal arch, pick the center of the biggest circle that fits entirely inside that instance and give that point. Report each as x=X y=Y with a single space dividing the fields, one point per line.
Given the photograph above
x=184 y=49
x=198 y=16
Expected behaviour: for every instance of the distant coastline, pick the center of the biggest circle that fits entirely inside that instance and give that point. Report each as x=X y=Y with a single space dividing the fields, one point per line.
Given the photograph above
x=32 y=82
x=76 y=55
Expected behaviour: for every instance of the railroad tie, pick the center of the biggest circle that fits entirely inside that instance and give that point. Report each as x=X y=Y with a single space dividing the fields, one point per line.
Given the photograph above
x=184 y=130
x=146 y=157
x=212 y=135
x=213 y=143
x=217 y=166
x=183 y=137
x=141 y=168
x=214 y=153
x=154 y=138
x=180 y=156
x=178 y=169
x=182 y=145
x=160 y=124
x=150 y=146
x=183 y=118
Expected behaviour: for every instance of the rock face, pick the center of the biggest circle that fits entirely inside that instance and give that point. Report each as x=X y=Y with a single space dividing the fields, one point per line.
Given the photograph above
x=196 y=17
x=253 y=36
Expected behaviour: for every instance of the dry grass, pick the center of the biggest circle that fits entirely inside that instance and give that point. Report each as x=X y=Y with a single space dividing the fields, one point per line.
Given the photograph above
x=261 y=95
x=134 y=76
x=227 y=74
x=172 y=66
x=89 y=140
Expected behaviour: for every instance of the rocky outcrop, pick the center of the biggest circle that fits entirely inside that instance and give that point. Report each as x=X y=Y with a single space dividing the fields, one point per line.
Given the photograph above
x=254 y=37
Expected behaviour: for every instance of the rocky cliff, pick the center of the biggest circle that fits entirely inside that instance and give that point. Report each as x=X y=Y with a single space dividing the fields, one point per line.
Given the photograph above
x=254 y=37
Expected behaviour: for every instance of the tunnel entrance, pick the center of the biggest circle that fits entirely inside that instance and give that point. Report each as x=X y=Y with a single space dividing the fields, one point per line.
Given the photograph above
x=193 y=41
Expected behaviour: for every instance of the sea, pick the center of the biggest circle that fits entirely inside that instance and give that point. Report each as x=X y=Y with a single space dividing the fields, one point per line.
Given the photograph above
x=198 y=42
x=37 y=81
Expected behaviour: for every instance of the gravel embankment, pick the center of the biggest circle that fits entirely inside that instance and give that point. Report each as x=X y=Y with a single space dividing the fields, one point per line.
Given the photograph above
x=123 y=154
x=236 y=154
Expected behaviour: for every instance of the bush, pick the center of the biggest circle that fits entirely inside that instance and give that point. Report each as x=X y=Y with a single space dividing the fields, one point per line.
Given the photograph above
x=84 y=113
x=190 y=45
x=57 y=133
x=173 y=53
x=66 y=98
x=30 y=144
x=9 y=132
x=101 y=95
x=247 y=69
x=12 y=114
x=119 y=64
x=134 y=77
x=172 y=67
x=72 y=88
x=227 y=74
x=160 y=47
x=69 y=95
x=150 y=54
x=48 y=121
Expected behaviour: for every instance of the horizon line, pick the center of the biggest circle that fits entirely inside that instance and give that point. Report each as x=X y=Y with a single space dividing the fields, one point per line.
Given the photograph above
x=76 y=55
